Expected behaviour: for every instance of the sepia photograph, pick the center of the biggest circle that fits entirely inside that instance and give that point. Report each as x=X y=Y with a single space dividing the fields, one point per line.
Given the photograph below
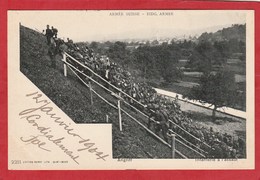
x=171 y=83
x=131 y=89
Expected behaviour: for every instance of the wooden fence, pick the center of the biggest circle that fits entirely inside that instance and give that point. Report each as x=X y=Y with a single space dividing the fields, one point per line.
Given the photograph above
x=175 y=138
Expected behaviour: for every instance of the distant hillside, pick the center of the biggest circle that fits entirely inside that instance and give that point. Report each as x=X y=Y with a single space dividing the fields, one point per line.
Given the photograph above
x=237 y=31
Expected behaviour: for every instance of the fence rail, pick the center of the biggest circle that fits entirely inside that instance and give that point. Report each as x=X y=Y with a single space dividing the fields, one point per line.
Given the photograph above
x=118 y=89
x=110 y=104
x=119 y=108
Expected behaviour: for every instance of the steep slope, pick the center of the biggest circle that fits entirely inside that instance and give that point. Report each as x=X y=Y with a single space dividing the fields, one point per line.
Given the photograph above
x=74 y=99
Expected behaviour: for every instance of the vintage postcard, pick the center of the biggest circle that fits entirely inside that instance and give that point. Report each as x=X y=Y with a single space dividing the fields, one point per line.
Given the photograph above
x=131 y=89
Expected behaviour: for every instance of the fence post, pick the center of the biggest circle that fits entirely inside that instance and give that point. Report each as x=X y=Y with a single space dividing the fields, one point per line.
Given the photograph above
x=64 y=64
x=106 y=118
x=173 y=145
x=119 y=112
x=90 y=89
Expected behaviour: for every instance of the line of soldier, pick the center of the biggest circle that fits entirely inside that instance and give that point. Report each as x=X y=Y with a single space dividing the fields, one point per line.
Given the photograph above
x=159 y=109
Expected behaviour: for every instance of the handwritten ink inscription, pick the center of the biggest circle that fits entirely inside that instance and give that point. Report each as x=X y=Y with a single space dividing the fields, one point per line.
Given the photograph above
x=33 y=116
x=35 y=141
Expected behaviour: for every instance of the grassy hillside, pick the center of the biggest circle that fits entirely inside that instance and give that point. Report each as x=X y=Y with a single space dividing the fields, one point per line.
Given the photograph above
x=74 y=99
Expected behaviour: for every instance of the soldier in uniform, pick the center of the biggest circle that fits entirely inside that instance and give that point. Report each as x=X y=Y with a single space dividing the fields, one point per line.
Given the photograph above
x=48 y=34
x=54 y=31
x=70 y=44
x=216 y=150
x=161 y=123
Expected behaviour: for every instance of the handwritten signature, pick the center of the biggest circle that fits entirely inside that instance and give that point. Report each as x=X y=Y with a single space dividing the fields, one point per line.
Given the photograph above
x=35 y=141
x=32 y=116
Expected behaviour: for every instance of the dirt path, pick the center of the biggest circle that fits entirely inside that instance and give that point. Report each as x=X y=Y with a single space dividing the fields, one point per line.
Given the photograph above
x=227 y=110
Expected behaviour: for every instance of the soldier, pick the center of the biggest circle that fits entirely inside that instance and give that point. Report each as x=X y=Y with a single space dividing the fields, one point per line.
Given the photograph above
x=216 y=150
x=233 y=153
x=54 y=32
x=70 y=44
x=161 y=123
x=63 y=47
x=60 y=46
x=225 y=138
x=48 y=34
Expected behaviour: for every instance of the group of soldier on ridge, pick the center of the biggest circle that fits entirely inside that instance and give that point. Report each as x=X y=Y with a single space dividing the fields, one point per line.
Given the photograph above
x=164 y=114
x=50 y=33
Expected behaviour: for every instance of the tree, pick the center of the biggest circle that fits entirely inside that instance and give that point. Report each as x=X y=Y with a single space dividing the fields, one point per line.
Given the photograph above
x=217 y=89
x=94 y=45
x=197 y=62
x=118 y=52
x=145 y=60
x=172 y=74
x=158 y=61
x=223 y=48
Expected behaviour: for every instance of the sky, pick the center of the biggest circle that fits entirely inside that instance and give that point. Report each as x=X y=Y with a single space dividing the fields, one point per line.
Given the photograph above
x=104 y=25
